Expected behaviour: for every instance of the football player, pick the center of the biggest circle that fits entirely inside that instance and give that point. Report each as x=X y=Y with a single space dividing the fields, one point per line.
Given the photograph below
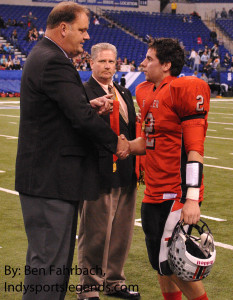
x=174 y=123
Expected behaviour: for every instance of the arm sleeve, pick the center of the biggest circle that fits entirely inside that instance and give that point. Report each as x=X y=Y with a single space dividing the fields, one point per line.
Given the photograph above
x=69 y=93
x=191 y=97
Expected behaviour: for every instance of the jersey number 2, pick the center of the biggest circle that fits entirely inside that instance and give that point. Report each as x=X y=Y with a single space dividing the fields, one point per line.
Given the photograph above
x=200 y=102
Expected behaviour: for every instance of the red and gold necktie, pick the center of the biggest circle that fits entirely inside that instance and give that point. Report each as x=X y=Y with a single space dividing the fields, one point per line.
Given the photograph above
x=114 y=120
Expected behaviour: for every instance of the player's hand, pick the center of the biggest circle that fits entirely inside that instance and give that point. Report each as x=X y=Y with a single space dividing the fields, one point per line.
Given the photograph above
x=123 y=148
x=190 y=213
x=103 y=105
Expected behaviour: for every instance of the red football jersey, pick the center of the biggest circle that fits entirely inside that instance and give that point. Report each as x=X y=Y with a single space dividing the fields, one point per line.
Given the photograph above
x=175 y=122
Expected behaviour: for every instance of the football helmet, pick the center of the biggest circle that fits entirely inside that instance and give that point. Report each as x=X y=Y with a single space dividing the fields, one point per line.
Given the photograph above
x=191 y=258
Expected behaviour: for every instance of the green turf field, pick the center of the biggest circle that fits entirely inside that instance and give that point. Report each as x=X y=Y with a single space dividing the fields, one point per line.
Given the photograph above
x=218 y=172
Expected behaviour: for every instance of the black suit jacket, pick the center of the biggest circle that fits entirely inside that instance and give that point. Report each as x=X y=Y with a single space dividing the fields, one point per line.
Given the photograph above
x=125 y=174
x=57 y=157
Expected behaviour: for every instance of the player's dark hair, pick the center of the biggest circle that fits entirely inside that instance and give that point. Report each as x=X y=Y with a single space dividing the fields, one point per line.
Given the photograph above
x=65 y=12
x=169 y=50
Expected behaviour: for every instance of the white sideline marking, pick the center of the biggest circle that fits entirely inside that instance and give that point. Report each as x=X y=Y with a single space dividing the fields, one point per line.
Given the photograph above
x=0 y=247
x=211 y=130
x=210 y=157
x=9 y=191
x=12 y=122
x=220 y=138
x=9 y=137
x=2 y=171
x=228 y=128
x=218 y=167
x=9 y=116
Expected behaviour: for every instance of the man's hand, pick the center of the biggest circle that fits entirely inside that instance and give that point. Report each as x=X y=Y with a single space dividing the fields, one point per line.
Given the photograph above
x=190 y=213
x=103 y=105
x=123 y=148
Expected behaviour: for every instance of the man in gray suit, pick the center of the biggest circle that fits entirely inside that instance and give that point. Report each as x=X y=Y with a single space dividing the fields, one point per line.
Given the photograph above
x=106 y=225
x=56 y=164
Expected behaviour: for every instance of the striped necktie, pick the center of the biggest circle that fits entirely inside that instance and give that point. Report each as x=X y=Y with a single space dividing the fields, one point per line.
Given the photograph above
x=111 y=90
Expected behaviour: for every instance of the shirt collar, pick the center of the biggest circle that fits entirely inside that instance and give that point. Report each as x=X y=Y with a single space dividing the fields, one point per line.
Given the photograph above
x=104 y=86
x=57 y=46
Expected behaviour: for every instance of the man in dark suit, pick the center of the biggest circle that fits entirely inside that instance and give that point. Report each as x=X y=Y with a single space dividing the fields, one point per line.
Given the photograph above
x=106 y=225
x=57 y=157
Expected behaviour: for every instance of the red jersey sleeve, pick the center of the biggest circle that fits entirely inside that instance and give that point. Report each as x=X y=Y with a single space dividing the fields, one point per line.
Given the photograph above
x=190 y=98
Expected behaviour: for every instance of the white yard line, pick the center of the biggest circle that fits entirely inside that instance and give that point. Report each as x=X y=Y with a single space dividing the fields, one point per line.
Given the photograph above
x=10 y=116
x=221 y=100
x=209 y=157
x=214 y=219
x=211 y=130
x=9 y=137
x=218 y=244
x=218 y=167
x=219 y=138
x=137 y=221
x=2 y=171
x=9 y=191
x=216 y=113
x=226 y=246
x=8 y=107
x=220 y=123
x=13 y=123
x=9 y=102
x=228 y=128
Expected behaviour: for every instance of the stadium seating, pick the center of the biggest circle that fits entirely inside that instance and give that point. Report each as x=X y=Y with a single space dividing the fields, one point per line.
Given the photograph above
x=126 y=44
x=166 y=25
x=226 y=25
x=132 y=46
x=17 y=12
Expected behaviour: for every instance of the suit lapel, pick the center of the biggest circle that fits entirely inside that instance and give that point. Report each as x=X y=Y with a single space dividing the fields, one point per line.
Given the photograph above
x=96 y=88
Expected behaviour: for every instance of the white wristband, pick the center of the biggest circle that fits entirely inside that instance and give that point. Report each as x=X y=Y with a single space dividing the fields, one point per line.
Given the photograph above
x=193 y=193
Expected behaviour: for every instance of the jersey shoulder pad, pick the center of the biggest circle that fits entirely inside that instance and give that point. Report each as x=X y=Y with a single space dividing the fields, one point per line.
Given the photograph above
x=190 y=95
x=188 y=82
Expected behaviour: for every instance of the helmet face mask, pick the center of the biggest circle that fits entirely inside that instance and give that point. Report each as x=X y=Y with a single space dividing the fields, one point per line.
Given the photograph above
x=191 y=258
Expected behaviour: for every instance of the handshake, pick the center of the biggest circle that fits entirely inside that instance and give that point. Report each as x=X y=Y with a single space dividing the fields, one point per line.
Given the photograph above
x=123 y=147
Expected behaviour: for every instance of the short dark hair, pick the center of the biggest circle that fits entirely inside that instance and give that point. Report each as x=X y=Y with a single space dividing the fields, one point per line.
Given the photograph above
x=169 y=50
x=65 y=12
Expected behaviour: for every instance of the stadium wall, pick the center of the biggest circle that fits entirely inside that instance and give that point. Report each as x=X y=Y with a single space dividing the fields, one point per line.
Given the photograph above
x=10 y=80
x=153 y=5
x=205 y=10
